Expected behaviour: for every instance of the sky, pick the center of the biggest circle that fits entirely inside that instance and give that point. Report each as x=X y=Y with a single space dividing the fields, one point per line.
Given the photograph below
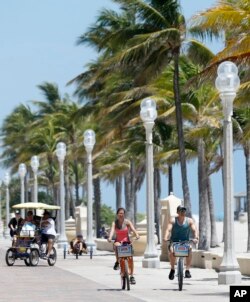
x=38 y=44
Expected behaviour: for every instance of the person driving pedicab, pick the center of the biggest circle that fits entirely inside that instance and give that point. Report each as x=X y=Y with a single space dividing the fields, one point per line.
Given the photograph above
x=121 y=228
x=48 y=232
x=179 y=228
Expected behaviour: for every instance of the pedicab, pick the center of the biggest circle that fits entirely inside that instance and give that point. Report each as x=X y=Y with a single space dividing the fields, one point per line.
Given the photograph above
x=27 y=245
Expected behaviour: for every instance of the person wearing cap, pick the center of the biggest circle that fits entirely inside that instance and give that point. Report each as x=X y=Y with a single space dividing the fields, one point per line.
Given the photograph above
x=78 y=245
x=48 y=232
x=15 y=224
x=179 y=228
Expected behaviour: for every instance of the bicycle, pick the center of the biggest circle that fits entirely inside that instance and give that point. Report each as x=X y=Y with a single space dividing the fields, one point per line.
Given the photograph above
x=125 y=253
x=77 y=249
x=181 y=250
x=125 y=259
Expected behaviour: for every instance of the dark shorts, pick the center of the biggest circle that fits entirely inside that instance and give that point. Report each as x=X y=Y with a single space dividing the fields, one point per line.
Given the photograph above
x=46 y=237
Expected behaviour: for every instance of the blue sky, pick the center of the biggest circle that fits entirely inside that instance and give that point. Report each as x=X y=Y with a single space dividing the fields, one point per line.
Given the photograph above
x=38 y=43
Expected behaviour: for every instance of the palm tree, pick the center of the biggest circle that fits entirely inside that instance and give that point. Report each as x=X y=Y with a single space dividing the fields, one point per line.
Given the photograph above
x=231 y=19
x=154 y=34
x=241 y=118
x=13 y=132
x=228 y=19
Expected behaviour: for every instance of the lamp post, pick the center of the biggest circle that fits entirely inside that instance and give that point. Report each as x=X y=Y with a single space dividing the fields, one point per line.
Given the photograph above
x=148 y=115
x=61 y=153
x=22 y=172
x=35 y=165
x=7 y=182
x=89 y=142
x=227 y=84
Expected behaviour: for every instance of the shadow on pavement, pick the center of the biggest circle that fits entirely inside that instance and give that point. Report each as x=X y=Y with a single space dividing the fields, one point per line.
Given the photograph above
x=110 y=289
x=207 y=279
x=211 y=294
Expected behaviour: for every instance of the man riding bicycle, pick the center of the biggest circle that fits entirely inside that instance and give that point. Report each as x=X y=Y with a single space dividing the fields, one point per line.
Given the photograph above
x=179 y=228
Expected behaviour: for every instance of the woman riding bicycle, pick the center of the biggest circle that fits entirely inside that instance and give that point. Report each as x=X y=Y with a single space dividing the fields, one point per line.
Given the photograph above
x=121 y=228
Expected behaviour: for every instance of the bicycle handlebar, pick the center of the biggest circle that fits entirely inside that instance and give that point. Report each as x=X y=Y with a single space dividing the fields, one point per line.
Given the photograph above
x=191 y=240
x=130 y=242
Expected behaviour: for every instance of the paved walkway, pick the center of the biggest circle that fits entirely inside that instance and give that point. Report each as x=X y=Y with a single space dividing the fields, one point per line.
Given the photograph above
x=86 y=279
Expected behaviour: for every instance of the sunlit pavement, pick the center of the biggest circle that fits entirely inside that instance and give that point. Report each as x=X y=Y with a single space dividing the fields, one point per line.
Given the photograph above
x=95 y=280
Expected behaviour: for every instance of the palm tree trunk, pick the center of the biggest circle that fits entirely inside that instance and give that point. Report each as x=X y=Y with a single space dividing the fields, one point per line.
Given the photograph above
x=76 y=183
x=203 y=208
x=181 y=141
x=135 y=209
x=26 y=180
x=214 y=237
x=130 y=209
x=247 y=156
x=73 y=205
x=170 y=180
x=127 y=191
x=118 y=190
x=157 y=193
x=67 y=188
x=97 y=198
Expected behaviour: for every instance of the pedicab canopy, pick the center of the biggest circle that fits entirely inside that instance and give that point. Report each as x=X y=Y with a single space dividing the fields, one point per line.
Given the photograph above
x=35 y=205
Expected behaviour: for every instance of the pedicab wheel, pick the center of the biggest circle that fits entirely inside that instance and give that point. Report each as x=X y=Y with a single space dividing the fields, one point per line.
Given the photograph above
x=52 y=257
x=34 y=257
x=10 y=257
x=27 y=261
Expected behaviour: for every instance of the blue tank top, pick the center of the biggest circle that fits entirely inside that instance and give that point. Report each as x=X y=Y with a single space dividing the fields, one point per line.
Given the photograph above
x=180 y=232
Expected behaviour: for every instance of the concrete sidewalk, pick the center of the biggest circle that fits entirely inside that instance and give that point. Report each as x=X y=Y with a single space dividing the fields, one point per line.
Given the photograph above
x=95 y=280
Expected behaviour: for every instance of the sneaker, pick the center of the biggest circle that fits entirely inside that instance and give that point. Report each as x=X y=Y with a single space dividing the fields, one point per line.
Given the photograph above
x=187 y=274
x=116 y=266
x=132 y=280
x=171 y=274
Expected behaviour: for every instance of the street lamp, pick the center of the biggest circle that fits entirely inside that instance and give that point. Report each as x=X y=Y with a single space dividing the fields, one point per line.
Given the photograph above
x=22 y=172
x=7 y=182
x=148 y=115
x=89 y=142
x=61 y=153
x=35 y=165
x=227 y=84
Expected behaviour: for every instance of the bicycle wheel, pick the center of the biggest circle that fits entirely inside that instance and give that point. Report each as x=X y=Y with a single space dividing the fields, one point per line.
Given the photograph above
x=52 y=257
x=122 y=273
x=34 y=257
x=126 y=274
x=180 y=273
x=123 y=280
x=10 y=257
